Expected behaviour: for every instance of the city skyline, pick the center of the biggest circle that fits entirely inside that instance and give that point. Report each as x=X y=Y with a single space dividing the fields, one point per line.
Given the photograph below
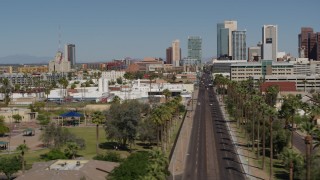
x=104 y=31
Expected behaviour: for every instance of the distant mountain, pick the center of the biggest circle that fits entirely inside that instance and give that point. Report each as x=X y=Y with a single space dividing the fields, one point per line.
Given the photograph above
x=24 y=59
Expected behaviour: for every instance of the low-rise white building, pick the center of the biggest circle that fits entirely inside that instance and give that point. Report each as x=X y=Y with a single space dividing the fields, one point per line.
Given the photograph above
x=26 y=114
x=112 y=75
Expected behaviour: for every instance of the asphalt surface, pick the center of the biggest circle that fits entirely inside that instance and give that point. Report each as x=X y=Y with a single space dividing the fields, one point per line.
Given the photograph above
x=211 y=153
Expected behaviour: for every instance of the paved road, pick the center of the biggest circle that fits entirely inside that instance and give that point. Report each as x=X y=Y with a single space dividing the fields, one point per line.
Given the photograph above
x=211 y=154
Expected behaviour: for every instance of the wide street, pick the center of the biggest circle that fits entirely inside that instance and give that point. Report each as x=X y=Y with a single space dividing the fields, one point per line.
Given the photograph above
x=211 y=153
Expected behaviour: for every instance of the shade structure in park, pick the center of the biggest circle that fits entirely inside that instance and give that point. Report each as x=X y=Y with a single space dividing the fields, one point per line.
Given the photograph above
x=71 y=115
x=29 y=132
x=4 y=145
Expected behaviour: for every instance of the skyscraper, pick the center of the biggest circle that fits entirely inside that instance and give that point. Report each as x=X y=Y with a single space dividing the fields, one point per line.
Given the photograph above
x=176 y=53
x=270 y=41
x=70 y=54
x=318 y=45
x=195 y=48
x=224 y=38
x=169 y=55
x=308 y=43
x=239 y=45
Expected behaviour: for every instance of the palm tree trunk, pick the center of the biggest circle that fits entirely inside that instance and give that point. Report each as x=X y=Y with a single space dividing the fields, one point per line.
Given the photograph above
x=22 y=157
x=97 y=139
x=271 y=150
x=263 y=143
x=291 y=171
x=292 y=131
x=253 y=145
x=308 y=141
x=258 y=145
x=158 y=135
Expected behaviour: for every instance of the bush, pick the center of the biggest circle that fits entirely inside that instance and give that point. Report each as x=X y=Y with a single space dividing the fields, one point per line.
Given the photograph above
x=109 y=156
x=53 y=155
x=134 y=167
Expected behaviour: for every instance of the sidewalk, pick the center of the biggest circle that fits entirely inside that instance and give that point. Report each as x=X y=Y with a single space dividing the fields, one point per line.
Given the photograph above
x=248 y=160
x=179 y=157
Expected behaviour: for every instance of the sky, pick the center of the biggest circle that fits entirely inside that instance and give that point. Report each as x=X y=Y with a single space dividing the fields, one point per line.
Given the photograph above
x=103 y=30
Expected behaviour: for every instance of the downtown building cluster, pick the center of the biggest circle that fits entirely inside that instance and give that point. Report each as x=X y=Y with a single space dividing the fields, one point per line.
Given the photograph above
x=264 y=63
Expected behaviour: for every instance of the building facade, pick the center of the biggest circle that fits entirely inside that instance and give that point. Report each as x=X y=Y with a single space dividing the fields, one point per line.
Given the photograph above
x=270 y=42
x=224 y=38
x=254 y=53
x=242 y=71
x=59 y=64
x=169 y=55
x=70 y=54
x=5 y=69
x=239 y=45
x=176 y=53
x=195 y=48
x=33 y=69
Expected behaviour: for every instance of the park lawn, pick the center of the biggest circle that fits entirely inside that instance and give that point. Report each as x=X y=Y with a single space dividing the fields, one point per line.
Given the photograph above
x=89 y=135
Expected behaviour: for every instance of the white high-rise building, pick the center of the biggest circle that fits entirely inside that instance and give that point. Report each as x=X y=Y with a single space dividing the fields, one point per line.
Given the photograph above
x=270 y=38
x=232 y=26
x=176 y=53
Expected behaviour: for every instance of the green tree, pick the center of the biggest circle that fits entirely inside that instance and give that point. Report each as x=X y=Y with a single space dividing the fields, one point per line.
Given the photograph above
x=10 y=165
x=116 y=99
x=292 y=161
x=17 y=118
x=98 y=118
x=158 y=166
x=71 y=150
x=6 y=89
x=55 y=136
x=73 y=86
x=310 y=129
x=22 y=148
x=119 y=80
x=134 y=167
x=44 y=119
x=3 y=128
x=167 y=94
x=123 y=121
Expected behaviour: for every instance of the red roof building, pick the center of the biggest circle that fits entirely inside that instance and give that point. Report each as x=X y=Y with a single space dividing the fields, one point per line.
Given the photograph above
x=284 y=86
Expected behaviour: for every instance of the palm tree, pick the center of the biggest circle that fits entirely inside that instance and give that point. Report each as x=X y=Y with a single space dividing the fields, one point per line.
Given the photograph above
x=167 y=94
x=23 y=148
x=6 y=89
x=98 y=118
x=310 y=129
x=264 y=108
x=291 y=160
x=305 y=82
x=272 y=115
x=116 y=99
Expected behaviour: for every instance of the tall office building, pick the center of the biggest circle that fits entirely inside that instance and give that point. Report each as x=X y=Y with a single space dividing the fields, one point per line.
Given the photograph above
x=195 y=48
x=239 y=45
x=176 y=53
x=169 y=55
x=270 y=42
x=308 y=43
x=224 y=38
x=70 y=54
x=318 y=45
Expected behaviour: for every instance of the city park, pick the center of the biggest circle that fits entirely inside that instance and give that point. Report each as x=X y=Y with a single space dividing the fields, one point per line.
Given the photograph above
x=69 y=131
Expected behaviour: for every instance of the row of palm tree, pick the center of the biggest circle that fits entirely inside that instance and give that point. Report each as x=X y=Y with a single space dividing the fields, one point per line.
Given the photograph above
x=165 y=116
x=254 y=109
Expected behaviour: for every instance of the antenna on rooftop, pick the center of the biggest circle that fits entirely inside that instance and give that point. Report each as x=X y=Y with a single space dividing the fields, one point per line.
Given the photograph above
x=59 y=37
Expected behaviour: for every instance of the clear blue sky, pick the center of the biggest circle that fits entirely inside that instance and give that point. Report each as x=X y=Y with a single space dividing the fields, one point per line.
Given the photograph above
x=108 y=29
